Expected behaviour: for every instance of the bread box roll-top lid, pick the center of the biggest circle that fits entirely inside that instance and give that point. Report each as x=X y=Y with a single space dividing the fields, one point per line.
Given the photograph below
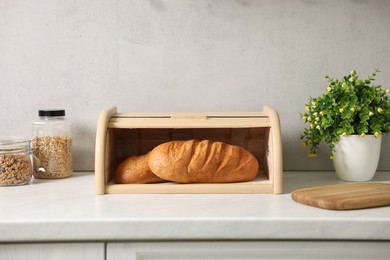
x=120 y=135
x=189 y=120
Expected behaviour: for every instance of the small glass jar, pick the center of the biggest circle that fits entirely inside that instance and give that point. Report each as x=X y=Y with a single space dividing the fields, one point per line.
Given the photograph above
x=52 y=145
x=15 y=161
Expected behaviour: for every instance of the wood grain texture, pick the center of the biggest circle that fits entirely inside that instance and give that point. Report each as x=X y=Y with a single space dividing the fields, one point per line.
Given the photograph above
x=345 y=196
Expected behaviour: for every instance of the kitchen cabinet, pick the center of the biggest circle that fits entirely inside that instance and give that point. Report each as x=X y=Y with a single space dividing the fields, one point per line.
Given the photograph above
x=57 y=251
x=177 y=250
x=247 y=250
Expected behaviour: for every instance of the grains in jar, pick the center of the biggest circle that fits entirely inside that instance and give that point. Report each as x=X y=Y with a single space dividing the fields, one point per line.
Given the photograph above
x=15 y=162
x=52 y=157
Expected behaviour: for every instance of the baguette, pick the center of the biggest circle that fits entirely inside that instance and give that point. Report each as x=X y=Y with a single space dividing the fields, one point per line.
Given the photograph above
x=135 y=169
x=205 y=161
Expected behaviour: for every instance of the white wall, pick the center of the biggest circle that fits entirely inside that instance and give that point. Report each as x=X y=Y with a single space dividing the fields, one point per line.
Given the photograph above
x=184 y=55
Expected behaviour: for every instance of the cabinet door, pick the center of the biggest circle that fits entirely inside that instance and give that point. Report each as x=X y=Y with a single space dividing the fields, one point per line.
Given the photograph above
x=57 y=251
x=247 y=250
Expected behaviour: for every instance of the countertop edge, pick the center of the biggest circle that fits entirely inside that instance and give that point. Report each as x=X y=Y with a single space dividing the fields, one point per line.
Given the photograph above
x=194 y=230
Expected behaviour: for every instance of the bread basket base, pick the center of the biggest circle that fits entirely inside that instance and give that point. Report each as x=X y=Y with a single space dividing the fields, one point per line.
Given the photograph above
x=260 y=185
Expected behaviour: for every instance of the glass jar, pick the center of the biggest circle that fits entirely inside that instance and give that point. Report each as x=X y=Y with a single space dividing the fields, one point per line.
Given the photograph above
x=52 y=145
x=15 y=161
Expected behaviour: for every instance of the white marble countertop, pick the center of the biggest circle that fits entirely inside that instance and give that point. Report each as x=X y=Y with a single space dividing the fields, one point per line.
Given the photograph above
x=69 y=210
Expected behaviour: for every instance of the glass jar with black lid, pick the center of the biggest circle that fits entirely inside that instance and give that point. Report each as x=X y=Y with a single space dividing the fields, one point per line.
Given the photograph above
x=52 y=145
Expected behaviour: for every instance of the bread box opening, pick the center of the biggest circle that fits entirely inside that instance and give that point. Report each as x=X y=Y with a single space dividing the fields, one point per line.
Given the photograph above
x=120 y=135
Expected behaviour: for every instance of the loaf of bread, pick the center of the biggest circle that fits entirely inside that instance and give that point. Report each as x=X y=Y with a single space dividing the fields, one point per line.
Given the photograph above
x=135 y=169
x=205 y=161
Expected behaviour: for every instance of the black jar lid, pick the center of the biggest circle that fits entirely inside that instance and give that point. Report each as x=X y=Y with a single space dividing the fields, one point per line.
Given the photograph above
x=52 y=112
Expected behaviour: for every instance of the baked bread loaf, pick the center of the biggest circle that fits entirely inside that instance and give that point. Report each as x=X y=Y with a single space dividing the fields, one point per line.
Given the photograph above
x=205 y=161
x=135 y=169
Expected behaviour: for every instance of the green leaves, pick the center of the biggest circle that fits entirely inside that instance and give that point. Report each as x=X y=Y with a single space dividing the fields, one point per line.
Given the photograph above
x=349 y=106
x=364 y=114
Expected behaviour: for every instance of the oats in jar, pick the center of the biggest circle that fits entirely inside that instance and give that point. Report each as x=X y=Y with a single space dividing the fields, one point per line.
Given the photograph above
x=52 y=157
x=15 y=163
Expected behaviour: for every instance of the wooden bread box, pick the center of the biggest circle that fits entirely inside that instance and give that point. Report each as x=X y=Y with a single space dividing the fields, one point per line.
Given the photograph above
x=120 y=135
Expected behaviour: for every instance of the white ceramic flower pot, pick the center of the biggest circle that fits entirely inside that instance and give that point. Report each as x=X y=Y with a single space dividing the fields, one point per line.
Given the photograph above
x=356 y=158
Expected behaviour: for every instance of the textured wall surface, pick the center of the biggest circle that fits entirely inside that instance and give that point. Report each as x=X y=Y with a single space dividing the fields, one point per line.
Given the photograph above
x=184 y=55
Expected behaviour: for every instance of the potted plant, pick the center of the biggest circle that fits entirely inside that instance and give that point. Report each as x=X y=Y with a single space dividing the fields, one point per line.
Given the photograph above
x=352 y=111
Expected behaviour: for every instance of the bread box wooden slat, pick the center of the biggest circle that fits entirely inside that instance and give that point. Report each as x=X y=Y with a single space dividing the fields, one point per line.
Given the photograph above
x=120 y=135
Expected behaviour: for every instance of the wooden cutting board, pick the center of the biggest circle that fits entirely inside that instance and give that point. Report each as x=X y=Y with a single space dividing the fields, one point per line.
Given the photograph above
x=345 y=196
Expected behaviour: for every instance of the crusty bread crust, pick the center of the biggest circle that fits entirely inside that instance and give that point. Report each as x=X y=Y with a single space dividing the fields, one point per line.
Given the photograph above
x=204 y=161
x=135 y=169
